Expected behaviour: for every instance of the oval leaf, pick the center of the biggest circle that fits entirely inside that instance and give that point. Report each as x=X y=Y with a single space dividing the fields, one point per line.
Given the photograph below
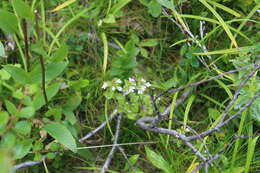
x=8 y=22
x=23 y=10
x=158 y=161
x=62 y=135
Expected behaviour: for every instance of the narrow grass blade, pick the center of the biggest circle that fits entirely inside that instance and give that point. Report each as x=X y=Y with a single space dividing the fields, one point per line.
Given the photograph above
x=229 y=10
x=171 y=115
x=250 y=153
x=187 y=110
x=105 y=43
x=63 y=5
x=222 y=22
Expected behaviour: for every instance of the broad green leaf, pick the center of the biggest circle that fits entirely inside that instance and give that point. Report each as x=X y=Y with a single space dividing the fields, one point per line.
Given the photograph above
x=70 y=116
x=149 y=43
x=2 y=50
x=158 y=161
x=39 y=101
x=61 y=54
x=55 y=112
x=154 y=8
x=78 y=84
x=23 y=10
x=17 y=73
x=73 y=102
x=8 y=22
x=167 y=3
x=23 y=127
x=144 y=52
x=62 y=135
x=52 y=70
x=4 y=117
x=22 y=148
x=10 y=107
x=6 y=161
x=26 y=112
x=110 y=18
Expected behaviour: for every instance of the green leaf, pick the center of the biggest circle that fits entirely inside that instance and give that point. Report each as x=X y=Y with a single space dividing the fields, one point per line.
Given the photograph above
x=11 y=107
x=61 y=54
x=23 y=127
x=4 y=118
x=70 y=116
x=52 y=71
x=17 y=73
x=119 y=5
x=23 y=10
x=26 y=112
x=39 y=101
x=148 y=43
x=167 y=3
x=144 y=52
x=62 y=135
x=133 y=159
x=8 y=22
x=73 y=102
x=55 y=112
x=154 y=8
x=77 y=85
x=110 y=18
x=158 y=161
x=2 y=50
x=22 y=148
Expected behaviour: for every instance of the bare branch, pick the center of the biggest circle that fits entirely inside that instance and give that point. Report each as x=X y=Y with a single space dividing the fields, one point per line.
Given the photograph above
x=101 y=126
x=111 y=154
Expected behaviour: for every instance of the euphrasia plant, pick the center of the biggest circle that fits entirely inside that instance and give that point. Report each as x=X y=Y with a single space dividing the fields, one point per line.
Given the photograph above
x=131 y=96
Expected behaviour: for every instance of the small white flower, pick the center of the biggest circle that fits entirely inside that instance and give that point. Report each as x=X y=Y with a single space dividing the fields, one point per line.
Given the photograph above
x=105 y=85
x=142 y=79
x=147 y=84
x=113 y=88
x=119 y=88
x=129 y=111
x=118 y=81
x=131 y=79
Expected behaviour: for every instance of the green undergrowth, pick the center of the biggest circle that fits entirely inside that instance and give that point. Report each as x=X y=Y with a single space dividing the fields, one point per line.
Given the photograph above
x=118 y=54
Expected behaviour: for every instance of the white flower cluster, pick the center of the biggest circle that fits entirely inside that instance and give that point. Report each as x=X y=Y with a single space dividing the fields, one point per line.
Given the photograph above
x=130 y=86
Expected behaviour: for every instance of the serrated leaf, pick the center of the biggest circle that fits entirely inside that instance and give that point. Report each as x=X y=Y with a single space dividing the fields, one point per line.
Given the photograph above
x=62 y=135
x=17 y=73
x=158 y=161
x=23 y=10
x=10 y=107
x=8 y=22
